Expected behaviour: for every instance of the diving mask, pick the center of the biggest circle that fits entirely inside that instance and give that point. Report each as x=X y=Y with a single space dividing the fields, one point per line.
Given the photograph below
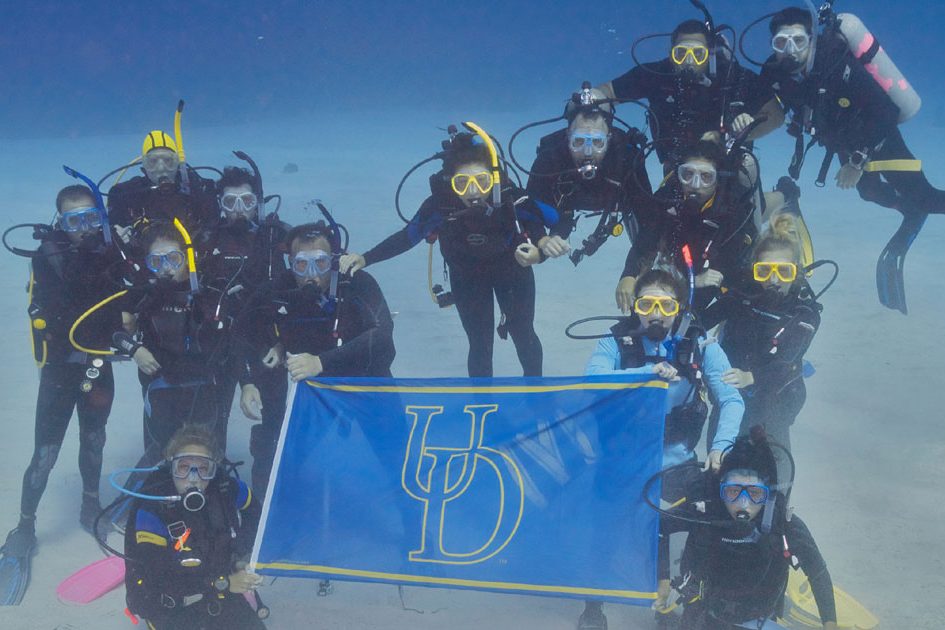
x=160 y=162
x=785 y=271
x=462 y=181
x=311 y=264
x=698 y=53
x=80 y=220
x=165 y=261
x=186 y=464
x=755 y=492
x=697 y=175
x=646 y=304
x=790 y=41
x=239 y=203
x=588 y=143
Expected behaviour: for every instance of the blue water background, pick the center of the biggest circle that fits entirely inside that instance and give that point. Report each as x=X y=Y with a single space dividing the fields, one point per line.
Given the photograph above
x=89 y=68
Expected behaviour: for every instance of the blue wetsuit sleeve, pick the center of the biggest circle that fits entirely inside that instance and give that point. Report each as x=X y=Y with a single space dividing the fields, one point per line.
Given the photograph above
x=426 y=222
x=606 y=358
x=724 y=396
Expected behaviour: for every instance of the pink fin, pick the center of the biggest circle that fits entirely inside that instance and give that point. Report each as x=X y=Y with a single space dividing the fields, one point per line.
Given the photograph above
x=92 y=581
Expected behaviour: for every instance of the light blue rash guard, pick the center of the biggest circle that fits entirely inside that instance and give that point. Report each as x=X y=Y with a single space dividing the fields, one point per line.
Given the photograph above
x=606 y=360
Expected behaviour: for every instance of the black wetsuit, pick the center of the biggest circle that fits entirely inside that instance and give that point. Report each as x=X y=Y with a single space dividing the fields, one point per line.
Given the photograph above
x=619 y=186
x=478 y=245
x=719 y=234
x=685 y=109
x=185 y=337
x=247 y=256
x=852 y=115
x=303 y=320
x=768 y=335
x=175 y=587
x=744 y=577
x=65 y=283
x=139 y=200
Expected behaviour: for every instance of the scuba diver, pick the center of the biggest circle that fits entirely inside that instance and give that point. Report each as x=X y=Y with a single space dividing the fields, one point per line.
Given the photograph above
x=842 y=89
x=699 y=89
x=68 y=273
x=241 y=253
x=172 y=330
x=490 y=234
x=661 y=338
x=168 y=188
x=590 y=167
x=769 y=323
x=189 y=536
x=742 y=542
x=707 y=204
x=315 y=322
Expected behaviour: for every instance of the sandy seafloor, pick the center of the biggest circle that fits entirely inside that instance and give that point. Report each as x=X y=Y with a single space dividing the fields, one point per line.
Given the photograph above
x=869 y=444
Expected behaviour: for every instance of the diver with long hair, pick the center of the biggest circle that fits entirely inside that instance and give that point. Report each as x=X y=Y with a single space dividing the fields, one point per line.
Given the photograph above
x=703 y=204
x=743 y=540
x=188 y=540
x=769 y=322
x=490 y=235
x=662 y=339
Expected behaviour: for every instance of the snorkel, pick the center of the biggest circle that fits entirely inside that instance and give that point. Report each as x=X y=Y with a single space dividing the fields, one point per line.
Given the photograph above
x=494 y=157
x=816 y=18
x=181 y=156
x=710 y=26
x=99 y=201
x=257 y=184
x=337 y=249
x=191 y=258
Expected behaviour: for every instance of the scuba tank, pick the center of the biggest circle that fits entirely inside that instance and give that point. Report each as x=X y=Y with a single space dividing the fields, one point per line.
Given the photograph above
x=867 y=49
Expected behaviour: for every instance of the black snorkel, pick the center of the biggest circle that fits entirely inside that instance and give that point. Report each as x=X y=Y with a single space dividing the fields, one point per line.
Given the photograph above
x=257 y=184
x=713 y=42
x=337 y=249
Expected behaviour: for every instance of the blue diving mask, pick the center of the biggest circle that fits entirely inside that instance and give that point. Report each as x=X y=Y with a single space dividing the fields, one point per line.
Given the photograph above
x=80 y=220
x=311 y=264
x=168 y=261
x=755 y=492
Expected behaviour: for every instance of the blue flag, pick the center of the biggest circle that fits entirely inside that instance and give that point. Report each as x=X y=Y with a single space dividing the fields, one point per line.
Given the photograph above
x=521 y=485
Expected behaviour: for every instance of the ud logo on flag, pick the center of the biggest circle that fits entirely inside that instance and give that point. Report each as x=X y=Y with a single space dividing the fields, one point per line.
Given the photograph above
x=438 y=475
x=513 y=484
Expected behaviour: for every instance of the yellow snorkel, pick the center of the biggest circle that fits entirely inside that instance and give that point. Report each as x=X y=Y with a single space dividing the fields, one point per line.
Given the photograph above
x=494 y=155
x=191 y=259
x=178 y=138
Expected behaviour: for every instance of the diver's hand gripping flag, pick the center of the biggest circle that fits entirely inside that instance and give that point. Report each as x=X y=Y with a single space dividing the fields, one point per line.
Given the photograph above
x=521 y=485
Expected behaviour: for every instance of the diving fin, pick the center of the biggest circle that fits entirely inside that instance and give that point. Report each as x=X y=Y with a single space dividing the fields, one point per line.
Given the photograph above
x=890 y=283
x=15 y=566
